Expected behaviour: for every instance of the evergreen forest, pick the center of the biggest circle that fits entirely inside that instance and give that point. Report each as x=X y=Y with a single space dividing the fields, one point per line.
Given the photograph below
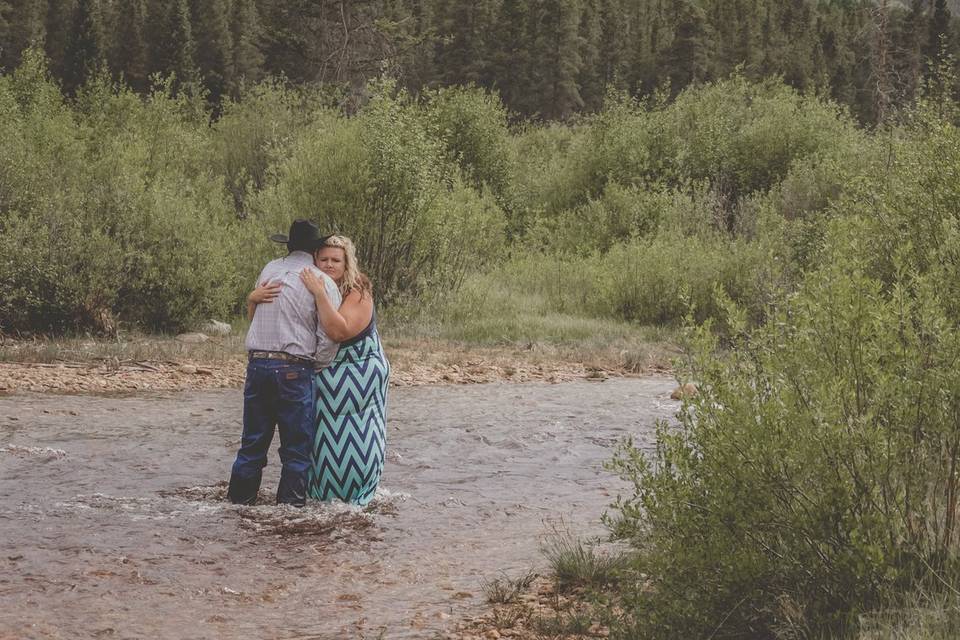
x=547 y=59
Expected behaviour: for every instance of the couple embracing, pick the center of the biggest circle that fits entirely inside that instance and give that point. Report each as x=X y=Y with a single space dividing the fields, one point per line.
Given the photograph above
x=316 y=372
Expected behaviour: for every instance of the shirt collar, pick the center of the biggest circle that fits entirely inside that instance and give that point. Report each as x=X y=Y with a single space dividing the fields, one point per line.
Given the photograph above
x=299 y=257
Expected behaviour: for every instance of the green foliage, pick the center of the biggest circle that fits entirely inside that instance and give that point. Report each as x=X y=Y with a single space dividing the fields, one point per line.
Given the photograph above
x=506 y=590
x=210 y=20
x=813 y=478
x=910 y=205
x=544 y=151
x=922 y=616
x=727 y=142
x=548 y=59
x=108 y=210
x=745 y=136
x=658 y=281
x=256 y=131
x=83 y=52
x=472 y=126
x=800 y=478
x=576 y=563
x=382 y=179
x=619 y=215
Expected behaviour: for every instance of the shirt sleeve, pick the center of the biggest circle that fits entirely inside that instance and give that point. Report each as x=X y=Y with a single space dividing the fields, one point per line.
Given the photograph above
x=263 y=275
x=326 y=348
x=333 y=292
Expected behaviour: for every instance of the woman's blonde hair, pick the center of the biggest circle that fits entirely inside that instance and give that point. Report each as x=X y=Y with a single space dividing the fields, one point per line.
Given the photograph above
x=353 y=279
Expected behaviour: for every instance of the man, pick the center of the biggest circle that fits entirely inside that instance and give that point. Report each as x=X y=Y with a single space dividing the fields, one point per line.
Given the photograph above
x=285 y=343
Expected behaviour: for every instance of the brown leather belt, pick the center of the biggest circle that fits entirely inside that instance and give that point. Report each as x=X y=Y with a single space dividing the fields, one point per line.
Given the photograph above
x=279 y=355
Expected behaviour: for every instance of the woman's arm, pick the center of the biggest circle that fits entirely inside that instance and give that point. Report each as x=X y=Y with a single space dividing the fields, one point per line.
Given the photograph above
x=341 y=324
x=265 y=293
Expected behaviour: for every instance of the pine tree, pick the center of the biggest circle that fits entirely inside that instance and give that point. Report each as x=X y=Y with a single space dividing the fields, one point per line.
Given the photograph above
x=5 y=11
x=796 y=61
x=210 y=20
x=245 y=33
x=128 y=54
x=511 y=55
x=420 y=69
x=839 y=58
x=909 y=40
x=58 y=21
x=82 y=54
x=689 y=53
x=557 y=58
x=590 y=78
x=26 y=27
x=463 y=54
x=652 y=33
x=171 y=46
x=617 y=29
x=939 y=30
x=736 y=25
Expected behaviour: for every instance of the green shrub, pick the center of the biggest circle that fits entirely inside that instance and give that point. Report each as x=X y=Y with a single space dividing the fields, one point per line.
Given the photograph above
x=382 y=179
x=576 y=563
x=616 y=146
x=919 y=616
x=745 y=136
x=254 y=133
x=911 y=205
x=657 y=281
x=618 y=215
x=109 y=210
x=538 y=184
x=814 y=475
x=472 y=127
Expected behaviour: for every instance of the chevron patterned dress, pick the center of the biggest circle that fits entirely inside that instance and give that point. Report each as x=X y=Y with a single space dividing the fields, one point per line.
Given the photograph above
x=351 y=421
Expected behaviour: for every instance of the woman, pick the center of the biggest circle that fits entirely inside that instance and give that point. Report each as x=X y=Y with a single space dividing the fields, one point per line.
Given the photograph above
x=351 y=392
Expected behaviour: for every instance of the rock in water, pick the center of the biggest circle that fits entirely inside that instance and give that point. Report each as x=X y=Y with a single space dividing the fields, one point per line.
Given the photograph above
x=687 y=390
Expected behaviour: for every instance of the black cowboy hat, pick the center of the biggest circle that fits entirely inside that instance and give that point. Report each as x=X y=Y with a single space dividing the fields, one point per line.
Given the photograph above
x=304 y=236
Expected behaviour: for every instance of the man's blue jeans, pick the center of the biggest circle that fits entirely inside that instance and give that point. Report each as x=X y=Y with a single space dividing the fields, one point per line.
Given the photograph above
x=276 y=393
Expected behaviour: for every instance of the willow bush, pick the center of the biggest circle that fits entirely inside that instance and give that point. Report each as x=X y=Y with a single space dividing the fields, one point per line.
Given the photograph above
x=253 y=133
x=384 y=179
x=109 y=210
x=814 y=479
x=150 y=210
x=471 y=125
x=121 y=208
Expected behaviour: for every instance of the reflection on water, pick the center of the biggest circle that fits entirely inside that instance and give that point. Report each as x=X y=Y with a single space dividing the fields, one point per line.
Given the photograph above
x=114 y=522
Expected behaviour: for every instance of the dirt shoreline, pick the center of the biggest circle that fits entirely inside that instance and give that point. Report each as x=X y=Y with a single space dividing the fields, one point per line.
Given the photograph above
x=111 y=375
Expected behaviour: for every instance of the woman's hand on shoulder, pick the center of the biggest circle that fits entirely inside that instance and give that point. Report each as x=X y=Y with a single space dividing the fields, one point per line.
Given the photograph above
x=312 y=281
x=265 y=293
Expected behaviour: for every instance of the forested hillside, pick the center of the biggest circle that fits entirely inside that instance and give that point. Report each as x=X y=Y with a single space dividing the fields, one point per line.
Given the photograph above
x=547 y=58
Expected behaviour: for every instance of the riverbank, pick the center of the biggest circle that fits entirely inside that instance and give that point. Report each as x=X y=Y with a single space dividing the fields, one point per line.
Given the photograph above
x=197 y=361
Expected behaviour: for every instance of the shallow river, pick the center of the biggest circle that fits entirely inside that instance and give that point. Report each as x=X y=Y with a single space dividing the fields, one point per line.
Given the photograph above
x=113 y=522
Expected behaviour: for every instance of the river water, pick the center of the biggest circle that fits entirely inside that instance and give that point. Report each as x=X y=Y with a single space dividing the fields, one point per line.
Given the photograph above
x=113 y=522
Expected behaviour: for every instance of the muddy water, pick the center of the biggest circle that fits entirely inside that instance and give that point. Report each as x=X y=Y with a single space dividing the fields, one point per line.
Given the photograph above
x=113 y=522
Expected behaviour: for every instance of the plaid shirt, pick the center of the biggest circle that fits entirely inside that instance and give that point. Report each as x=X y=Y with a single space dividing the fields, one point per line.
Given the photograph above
x=289 y=323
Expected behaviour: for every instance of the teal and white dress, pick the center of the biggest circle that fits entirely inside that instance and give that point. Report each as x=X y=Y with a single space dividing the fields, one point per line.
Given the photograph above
x=351 y=421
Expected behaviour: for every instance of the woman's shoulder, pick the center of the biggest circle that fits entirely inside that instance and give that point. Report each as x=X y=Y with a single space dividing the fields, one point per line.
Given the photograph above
x=358 y=296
